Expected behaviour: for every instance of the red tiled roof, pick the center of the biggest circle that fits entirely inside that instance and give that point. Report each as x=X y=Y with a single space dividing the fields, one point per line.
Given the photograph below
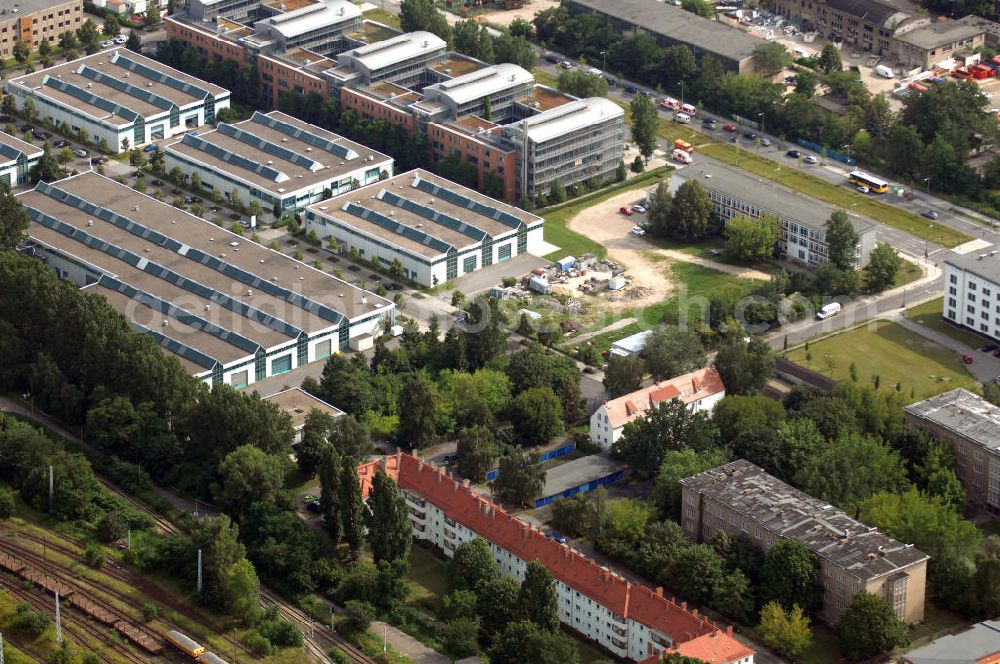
x=719 y=646
x=493 y=523
x=688 y=388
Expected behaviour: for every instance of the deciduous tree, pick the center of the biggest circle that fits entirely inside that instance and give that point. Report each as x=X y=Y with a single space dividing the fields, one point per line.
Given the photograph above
x=690 y=213
x=869 y=627
x=623 y=374
x=537 y=598
x=536 y=415
x=790 y=576
x=786 y=631
x=841 y=240
x=352 y=509
x=249 y=475
x=745 y=366
x=671 y=351
x=520 y=478
x=473 y=567
x=669 y=426
x=752 y=239
x=477 y=453
x=419 y=400
x=645 y=123
x=883 y=264
x=678 y=464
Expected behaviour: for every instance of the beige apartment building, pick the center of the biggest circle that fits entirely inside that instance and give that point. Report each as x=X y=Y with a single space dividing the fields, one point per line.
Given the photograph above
x=972 y=426
x=34 y=20
x=740 y=497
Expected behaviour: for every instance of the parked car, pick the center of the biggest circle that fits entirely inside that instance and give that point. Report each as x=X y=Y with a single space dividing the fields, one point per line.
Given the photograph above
x=749 y=135
x=557 y=536
x=626 y=210
x=26 y=128
x=709 y=122
x=566 y=64
x=930 y=214
x=765 y=142
x=138 y=174
x=809 y=159
x=794 y=154
x=863 y=189
x=80 y=152
x=152 y=147
x=61 y=144
x=632 y=90
x=988 y=348
x=729 y=127
x=41 y=135
x=157 y=183
x=638 y=230
x=646 y=93
x=640 y=208
x=968 y=359
x=215 y=208
x=97 y=161
x=107 y=44
x=120 y=39
x=553 y=58
x=450 y=459
x=313 y=507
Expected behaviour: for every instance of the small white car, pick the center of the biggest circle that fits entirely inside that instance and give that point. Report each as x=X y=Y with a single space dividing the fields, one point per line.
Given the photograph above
x=107 y=44
x=638 y=207
x=638 y=230
x=121 y=39
x=809 y=159
x=862 y=188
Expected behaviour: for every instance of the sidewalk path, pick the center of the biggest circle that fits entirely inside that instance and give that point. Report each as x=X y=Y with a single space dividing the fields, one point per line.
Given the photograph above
x=408 y=646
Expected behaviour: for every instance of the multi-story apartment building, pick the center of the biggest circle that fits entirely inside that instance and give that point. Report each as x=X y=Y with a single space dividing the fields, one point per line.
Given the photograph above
x=574 y=142
x=630 y=620
x=740 y=498
x=297 y=71
x=401 y=60
x=436 y=229
x=972 y=291
x=31 y=21
x=121 y=97
x=279 y=161
x=670 y=25
x=699 y=390
x=17 y=158
x=802 y=219
x=489 y=93
x=971 y=425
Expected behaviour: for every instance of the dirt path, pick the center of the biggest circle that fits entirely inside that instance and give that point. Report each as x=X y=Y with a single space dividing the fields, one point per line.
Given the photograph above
x=604 y=224
x=617 y=325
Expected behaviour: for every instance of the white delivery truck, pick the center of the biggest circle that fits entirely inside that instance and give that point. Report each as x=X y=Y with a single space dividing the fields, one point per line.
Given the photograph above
x=683 y=118
x=681 y=156
x=828 y=310
x=884 y=72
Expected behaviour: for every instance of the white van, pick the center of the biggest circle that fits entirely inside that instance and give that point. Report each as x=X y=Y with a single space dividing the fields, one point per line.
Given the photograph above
x=828 y=310
x=884 y=72
x=688 y=109
x=683 y=118
x=681 y=156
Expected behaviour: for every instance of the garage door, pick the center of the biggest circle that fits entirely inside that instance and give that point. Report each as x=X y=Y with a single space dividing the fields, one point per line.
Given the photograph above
x=503 y=253
x=281 y=364
x=323 y=349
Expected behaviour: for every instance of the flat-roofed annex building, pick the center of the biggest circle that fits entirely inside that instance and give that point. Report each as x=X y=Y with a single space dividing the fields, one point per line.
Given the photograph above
x=437 y=229
x=121 y=97
x=740 y=498
x=298 y=404
x=802 y=220
x=276 y=160
x=400 y=60
x=971 y=425
x=17 y=158
x=972 y=291
x=316 y=26
x=231 y=310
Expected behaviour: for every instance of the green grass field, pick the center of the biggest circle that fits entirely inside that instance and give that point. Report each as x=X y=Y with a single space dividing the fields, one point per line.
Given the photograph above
x=384 y=17
x=894 y=354
x=929 y=315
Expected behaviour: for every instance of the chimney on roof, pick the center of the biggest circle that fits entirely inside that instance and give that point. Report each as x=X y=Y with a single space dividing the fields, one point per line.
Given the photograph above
x=684 y=606
x=694 y=612
x=729 y=630
x=659 y=591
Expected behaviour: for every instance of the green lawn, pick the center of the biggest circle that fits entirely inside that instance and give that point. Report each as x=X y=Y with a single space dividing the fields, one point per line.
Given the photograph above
x=427 y=578
x=382 y=16
x=894 y=354
x=929 y=315
x=543 y=77
x=571 y=243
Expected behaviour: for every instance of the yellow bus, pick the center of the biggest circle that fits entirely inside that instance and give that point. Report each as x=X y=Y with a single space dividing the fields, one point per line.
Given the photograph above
x=874 y=184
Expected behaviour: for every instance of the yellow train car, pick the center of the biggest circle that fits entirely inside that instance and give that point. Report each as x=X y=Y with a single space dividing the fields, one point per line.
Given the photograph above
x=185 y=644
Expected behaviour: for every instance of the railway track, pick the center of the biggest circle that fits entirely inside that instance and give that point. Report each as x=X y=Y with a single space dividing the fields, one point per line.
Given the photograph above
x=79 y=625
x=316 y=635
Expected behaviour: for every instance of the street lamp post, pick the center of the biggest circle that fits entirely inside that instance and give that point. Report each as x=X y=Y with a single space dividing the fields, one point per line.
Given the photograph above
x=604 y=61
x=927 y=181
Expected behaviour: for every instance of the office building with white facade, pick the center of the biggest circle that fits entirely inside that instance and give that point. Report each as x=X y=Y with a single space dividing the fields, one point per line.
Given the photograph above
x=630 y=620
x=573 y=142
x=740 y=498
x=699 y=390
x=972 y=291
x=277 y=160
x=316 y=27
x=120 y=96
x=401 y=60
x=17 y=158
x=802 y=219
x=495 y=87
x=232 y=311
x=437 y=229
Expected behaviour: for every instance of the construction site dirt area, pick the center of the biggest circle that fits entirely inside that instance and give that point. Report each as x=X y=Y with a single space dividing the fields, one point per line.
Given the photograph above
x=646 y=264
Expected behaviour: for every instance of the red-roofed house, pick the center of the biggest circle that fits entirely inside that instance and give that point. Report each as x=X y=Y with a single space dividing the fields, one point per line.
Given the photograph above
x=700 y=390
x=629 y=620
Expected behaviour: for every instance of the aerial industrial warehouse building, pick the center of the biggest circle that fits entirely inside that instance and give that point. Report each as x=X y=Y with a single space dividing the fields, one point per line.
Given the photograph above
x=230 y=309
x=119 y=96
x=17 y=158
x=276 y=160
x=437 y=229
x=630 y=620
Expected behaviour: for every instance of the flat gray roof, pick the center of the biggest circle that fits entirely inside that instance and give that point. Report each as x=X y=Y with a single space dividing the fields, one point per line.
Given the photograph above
x=300 y=154
x=579 y=471
x=766 y=194
x=168 y=264
x=972 y=646
x=781 y=509
x=940 y=33
x=11 y=147
x=26 y=7
x=678 y=25
x=297 y=404
x=490 y=80
x=569 y=117
x=120 y=77
x=984 y=24
x=966 y=414
x=980 y=262
x=878 y=12
x=311 y=17
x=381 y=54
x=424 y=214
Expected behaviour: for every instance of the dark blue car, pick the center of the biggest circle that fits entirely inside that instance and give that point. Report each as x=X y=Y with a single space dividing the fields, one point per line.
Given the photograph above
x=631 y=89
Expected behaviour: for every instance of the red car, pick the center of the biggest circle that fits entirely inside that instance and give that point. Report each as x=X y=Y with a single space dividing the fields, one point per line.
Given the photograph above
x=967 y=359
x=729 y=127
x=626 y=210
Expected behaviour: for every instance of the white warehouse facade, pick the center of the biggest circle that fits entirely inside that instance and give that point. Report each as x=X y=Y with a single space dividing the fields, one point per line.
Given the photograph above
x=121 y=97
x=17 y=158
x=632 y=621
x=232 y=311
x=438 y=230
x=279 y=161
